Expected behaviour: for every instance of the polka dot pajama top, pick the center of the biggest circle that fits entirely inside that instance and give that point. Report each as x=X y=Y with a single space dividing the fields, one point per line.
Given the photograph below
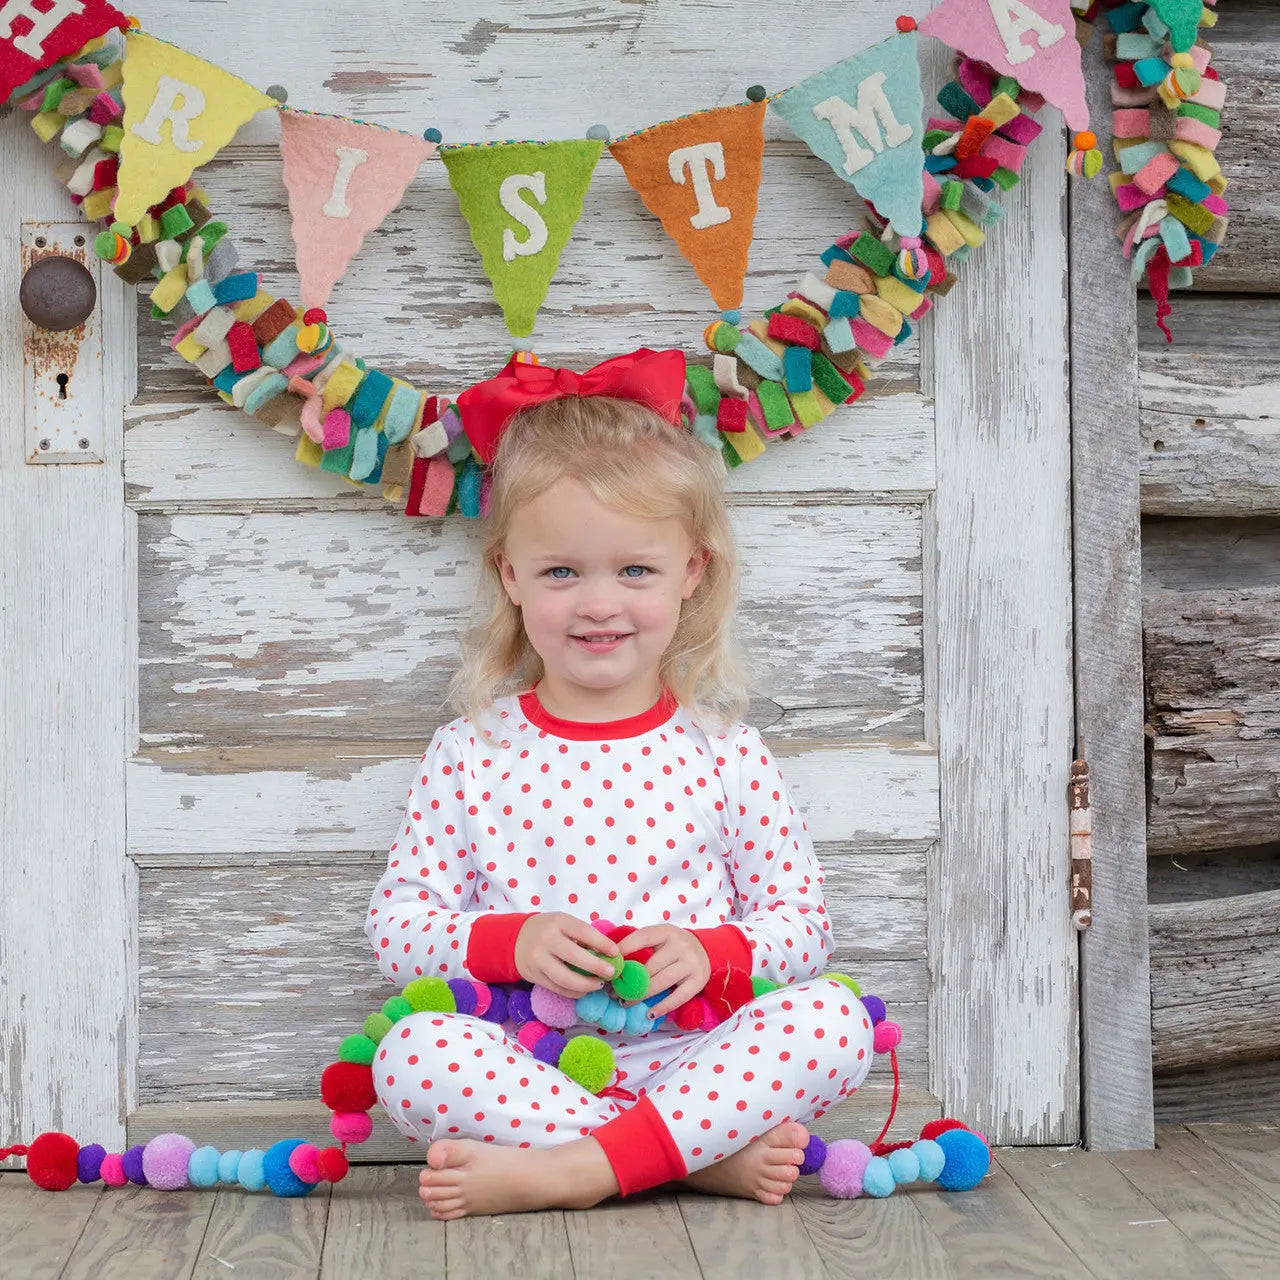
x=641 y=821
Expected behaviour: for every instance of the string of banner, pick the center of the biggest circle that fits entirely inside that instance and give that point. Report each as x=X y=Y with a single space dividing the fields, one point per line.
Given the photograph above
x=134 y=125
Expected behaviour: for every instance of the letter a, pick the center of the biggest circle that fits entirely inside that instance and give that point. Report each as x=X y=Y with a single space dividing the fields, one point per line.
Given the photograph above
x=1013 y=20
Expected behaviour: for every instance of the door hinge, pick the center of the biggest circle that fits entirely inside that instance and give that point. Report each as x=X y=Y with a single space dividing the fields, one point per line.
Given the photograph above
x=1081 y=846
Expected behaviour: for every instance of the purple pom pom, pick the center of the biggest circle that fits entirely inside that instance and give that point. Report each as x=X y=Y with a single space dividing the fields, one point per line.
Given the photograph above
x=464 y=995
x=131 y=1162
x=89 y=1162
x=549 y=1048
x=874 y=1007
x=843 y=1168
x=554 y=1009
x=815 y=1153
x=165 y=1159
x=520 y=1007
x=497 y=1010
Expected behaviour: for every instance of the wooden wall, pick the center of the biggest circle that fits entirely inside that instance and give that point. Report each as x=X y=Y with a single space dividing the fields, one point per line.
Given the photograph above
x=1210 y=485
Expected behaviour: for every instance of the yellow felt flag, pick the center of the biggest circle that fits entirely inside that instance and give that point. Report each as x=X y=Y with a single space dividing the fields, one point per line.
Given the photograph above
x=179 y=112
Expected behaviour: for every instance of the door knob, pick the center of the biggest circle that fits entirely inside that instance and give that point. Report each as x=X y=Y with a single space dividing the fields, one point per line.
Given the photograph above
x=57 y=293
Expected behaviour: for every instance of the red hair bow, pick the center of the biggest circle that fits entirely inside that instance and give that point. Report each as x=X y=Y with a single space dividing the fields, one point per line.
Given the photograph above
x=651 y=378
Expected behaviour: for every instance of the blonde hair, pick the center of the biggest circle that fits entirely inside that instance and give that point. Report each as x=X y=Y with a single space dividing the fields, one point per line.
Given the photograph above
x=630 y=459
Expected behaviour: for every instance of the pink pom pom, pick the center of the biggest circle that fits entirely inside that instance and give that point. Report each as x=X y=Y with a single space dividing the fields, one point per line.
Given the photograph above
x=709 y=1020
x=888 y=1036
x=484 y=998
x=531 y=1033
x=305 y=1162
x=164 y=1161
x=351 y=1126
x=554 y=1009
x=605 y=926
x=842 y=1170
x=112 y=1172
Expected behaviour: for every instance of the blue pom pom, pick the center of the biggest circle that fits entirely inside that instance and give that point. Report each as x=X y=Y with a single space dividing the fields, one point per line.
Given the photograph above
x=877 y=1178
x=614 y=1017
x=275 y=1168
x=591 y=1007
x=905 y=1165
x=638 y=1022
x=732 y=316
x=229 y=1166
x=432 y=135
x=249 y=1172
x=931 y=1157
x=202 y=1167
x=968 y=1159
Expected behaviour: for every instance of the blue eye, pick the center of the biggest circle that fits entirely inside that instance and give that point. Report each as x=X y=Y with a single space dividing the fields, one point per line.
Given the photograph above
x=560 y=573
x=640 y=571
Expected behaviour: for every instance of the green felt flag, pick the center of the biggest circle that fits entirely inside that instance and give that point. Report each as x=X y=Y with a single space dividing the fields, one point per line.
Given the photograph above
x=521 y=200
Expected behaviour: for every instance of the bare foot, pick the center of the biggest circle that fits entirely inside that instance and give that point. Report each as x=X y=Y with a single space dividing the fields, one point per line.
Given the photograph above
x=763 y=1170
x=464 y=1178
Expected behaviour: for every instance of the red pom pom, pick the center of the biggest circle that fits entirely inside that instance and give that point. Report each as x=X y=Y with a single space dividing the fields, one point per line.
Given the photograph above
x=51 y=1161
x=688 y=1017
x=314 y=315
x=347 y=1086
x=906 y=24
x=333 y=1164
x=935 y=1127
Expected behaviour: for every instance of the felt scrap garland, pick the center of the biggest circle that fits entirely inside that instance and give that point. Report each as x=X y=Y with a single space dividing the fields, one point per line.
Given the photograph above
x=1166 y=126
x=770 y=379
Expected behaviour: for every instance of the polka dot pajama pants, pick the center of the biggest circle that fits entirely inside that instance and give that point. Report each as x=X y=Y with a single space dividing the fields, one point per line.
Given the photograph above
x=788 y=1055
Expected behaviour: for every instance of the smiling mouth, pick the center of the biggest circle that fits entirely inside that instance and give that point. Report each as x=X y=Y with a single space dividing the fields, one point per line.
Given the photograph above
x=602 y=637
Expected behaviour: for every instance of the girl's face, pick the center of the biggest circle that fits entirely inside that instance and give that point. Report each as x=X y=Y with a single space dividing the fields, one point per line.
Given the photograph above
x=600 y=594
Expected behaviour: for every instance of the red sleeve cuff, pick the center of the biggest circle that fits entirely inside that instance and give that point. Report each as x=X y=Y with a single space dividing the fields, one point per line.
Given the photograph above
x=491 y=950
x=729 y=986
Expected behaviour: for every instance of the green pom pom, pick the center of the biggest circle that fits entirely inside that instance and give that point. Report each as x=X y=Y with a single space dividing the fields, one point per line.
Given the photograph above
x=376 y=1025
x=104 y=244
x=616 y=961
x=429 y=995
x=762 y=986
x=632 y=982
x=847 y=981
x=588 y=1060
x=397 y=1007
x=357 y=1048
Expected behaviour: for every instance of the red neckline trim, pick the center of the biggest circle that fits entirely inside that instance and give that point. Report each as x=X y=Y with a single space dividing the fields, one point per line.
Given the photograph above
x=593 y=730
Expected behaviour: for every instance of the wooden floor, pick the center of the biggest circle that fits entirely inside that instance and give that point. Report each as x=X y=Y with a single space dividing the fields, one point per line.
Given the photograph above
x=1204 y=1204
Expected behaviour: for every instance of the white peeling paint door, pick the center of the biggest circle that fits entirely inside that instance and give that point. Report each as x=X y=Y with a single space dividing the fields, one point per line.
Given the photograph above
x=288 y=639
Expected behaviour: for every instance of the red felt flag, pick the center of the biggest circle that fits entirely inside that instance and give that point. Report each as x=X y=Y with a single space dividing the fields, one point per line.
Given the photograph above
x=32 y=39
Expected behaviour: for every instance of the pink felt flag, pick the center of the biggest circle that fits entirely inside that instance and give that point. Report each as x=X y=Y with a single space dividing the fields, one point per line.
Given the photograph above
x=343 y=178
x=1032 y=40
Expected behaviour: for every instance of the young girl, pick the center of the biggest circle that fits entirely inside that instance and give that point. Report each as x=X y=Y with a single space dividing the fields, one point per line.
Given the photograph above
x=600 y=773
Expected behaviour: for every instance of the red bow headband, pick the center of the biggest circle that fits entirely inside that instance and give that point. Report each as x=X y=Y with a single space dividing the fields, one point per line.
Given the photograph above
x=651 y=378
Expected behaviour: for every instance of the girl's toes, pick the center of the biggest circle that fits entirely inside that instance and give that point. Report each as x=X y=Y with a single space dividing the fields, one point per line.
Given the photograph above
x=437 y=1155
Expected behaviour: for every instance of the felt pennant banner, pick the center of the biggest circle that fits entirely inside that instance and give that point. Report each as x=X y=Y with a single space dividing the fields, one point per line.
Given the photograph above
x=534 y=186
x=863 y=116
x=179 y=112
x=32 y=38
x=1034 y=41
x=343 y=178
x=700 y=176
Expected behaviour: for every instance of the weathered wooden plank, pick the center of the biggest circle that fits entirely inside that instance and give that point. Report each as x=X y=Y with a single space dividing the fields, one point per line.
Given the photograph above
x=299 y=625
x=135 y=1233
x=1210 y=555
x=1242 y=1092
x=379 y=1227
x=1215 y=981
x=1203 y=1196
x=731 y=1237
x=1107 y=632
x=858 y=1238
x=64 y=683
x=1213 y=718
x=517 y=1244
x=1195 y=877
x=643 y=1239
x=38 y=1231
x=264 y=1237
x=996 y=1231
x=1005 y=1031
x=246 y=1122
x=250 y=975
x=1111 y=1227
x=354 y=797
x=1254 y=1149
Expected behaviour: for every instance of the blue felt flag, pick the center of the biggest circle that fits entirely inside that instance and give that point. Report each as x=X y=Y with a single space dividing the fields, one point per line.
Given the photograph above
x=864 y=116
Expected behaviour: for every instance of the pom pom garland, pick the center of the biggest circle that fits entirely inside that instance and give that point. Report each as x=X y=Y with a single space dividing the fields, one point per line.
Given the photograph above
x=957 y=1160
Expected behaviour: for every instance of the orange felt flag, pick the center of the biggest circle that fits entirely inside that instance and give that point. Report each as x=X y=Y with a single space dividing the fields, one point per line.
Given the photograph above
x=700 y=175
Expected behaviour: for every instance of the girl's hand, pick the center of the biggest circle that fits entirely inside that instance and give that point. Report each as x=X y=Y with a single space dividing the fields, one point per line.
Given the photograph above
x=549 y=942
x=679 y=961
